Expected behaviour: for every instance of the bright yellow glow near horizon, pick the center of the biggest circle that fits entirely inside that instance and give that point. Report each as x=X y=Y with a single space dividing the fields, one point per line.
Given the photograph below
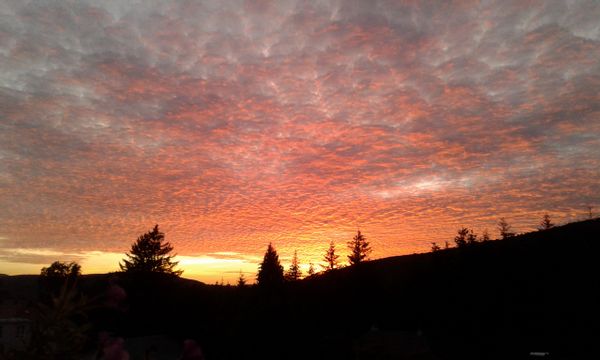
x=203 y=268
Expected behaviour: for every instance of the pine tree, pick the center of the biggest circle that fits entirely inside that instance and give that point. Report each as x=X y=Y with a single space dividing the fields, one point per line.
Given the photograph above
x=504 y=229
x=150 y=254
x=546 y=223
x=461 y=238
x=270 y=271
x=294 y=273
x=485 y=236
x=359 y=249
x=331 y=259
x=311 y=269
x=435 y=247
x=241 y=280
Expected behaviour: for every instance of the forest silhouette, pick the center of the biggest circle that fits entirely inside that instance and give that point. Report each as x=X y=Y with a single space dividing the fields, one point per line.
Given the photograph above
x=516 y=297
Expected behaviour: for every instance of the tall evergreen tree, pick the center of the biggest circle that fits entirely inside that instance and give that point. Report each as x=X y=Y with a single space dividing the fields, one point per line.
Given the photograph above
x=505 y=229
x=150 y=253
x=485 y=236
x=359 y=249
x=461 y=238
x=294 y=272
x=311 y=269
x=331 y=258
x=546 y=223
x=241 y=280
x=270 y=271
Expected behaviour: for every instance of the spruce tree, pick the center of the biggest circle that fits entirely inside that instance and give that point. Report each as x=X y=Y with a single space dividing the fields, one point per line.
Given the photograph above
x=359 y=249
x=504 y=229
x=485 y=237
x=150 y=253
x=270 y=271
x=294 y=273
x=546 y=223
x=241 y=280
x=311 y=269
x=461 y=238
x=331 y=258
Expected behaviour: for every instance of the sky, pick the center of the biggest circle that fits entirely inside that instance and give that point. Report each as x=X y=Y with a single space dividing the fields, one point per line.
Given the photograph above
x=233 y=124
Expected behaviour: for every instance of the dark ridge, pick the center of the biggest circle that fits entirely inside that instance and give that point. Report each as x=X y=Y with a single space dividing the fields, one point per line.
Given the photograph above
x=502 y=299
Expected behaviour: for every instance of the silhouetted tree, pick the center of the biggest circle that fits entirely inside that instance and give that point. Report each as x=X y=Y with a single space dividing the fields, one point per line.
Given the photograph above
x=471 y=238
x=270 y=271
x=590 y=213
x=241 y=280
x=331 y=258
x=485 y=236
x=294 y=273
x=435 y=247
x=57 y=275
x=150 y=254
x=461 y=238
x=359 y=249
x=446 y=245
x=311 y=269
x=504 y=229
x=61 y=270
x=546 y=223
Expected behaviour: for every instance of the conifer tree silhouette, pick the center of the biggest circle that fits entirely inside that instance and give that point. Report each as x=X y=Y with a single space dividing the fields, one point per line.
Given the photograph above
x=150 y=254
x=294 y=273
x=485 y=236
x=241 y=280
x=331 y=258
x=461 y=238
x=504 y=229
x=270 y=272
x=311 y=269
x=546 y=223
x=359 y=249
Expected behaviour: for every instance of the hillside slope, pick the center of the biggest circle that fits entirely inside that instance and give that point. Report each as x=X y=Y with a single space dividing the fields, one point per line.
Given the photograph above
x=501 y=299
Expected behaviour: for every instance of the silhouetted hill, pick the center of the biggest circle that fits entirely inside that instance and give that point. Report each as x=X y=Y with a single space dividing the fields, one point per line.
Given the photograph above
x=21 y=287
x=495 y=300
x=505 y=298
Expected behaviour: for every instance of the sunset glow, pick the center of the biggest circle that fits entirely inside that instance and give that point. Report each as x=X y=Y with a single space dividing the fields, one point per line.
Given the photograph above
x=237 y=123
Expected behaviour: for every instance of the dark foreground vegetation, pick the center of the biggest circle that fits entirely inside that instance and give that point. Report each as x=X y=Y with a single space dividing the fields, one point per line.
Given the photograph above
x=505 y=299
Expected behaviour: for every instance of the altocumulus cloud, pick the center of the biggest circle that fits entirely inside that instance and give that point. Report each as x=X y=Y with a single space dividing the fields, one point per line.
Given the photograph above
x=236 y=123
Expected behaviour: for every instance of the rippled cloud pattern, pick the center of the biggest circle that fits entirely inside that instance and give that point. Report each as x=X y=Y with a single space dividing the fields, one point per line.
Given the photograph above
x=237 y=123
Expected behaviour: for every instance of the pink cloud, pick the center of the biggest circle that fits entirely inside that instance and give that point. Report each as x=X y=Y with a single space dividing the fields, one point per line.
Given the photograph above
x=233 y=127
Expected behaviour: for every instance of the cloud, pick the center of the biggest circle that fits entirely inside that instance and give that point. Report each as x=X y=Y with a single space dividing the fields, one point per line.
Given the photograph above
x=233 y=124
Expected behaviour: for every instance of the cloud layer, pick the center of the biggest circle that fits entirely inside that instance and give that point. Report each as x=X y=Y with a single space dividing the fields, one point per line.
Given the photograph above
x=234 y=124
